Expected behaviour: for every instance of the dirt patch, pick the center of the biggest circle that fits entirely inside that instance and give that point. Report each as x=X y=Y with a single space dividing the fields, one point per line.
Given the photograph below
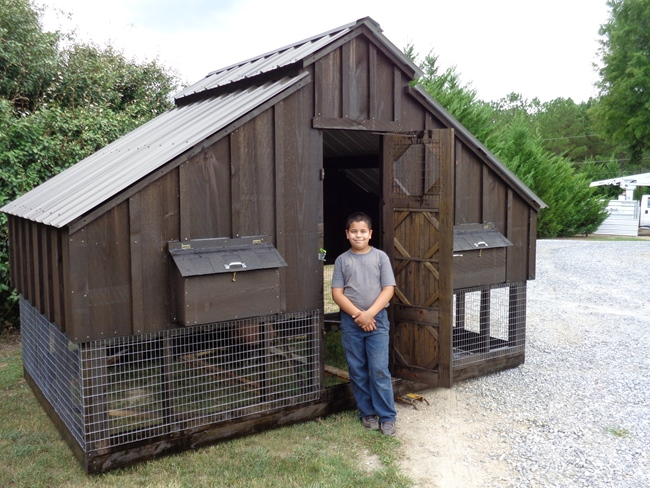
x=8 y=342
x=449 y=443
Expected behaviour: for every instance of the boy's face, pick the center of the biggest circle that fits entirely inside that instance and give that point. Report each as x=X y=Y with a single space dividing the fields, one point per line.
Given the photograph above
x=359 y=236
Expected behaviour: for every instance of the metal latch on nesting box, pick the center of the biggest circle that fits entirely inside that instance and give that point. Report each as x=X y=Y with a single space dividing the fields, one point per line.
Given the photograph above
x=412 y=399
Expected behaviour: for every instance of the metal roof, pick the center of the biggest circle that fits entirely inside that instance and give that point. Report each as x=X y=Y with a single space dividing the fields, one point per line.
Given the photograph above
x=94 y=180
x=102 y=175
x=288 y=55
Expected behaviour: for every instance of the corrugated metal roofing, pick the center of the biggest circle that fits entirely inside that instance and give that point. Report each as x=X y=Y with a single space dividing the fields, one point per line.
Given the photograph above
x=288 y=55
x=77 y=190
x=89 y=183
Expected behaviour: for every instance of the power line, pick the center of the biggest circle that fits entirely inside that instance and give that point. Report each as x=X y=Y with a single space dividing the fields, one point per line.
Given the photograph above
x=571 y=137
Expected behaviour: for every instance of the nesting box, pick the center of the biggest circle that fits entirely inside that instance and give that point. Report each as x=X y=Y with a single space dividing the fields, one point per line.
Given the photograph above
x=151 y=323
x=215 y=280
x=479 y=255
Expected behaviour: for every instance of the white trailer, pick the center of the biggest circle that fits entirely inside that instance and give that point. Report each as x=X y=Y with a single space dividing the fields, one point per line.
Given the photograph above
x=626 y=215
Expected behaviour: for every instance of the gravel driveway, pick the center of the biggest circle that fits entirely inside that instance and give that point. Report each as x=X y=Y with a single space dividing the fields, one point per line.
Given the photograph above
x=577 y=413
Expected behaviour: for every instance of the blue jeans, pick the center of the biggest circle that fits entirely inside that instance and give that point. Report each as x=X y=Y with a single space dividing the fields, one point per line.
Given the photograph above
x=367 y=356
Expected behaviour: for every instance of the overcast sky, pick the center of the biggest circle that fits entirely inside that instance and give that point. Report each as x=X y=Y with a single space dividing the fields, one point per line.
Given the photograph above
x=544 y=49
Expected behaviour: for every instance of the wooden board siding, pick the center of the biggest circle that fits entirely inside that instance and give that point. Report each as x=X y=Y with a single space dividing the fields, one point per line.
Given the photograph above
x=154 y=219
x=301 y=202
x=205 y=185
x=532 y=243
x=357 y=87
x=482 y=196
x=35 y=259
x=519 y=255
x=468 y=206
x=382 y=87
x=495 y=200
x=328 y=86
x=253 y=177
x=58 y=286
x=100 y=278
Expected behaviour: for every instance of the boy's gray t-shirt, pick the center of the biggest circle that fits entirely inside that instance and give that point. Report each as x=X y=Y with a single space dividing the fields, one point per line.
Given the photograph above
x=362 y=276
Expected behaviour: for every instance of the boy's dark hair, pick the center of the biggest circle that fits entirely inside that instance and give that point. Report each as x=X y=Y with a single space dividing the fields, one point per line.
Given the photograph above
x=359 y=217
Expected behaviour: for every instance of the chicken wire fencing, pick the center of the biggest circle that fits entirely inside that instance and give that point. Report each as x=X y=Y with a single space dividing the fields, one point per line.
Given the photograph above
x=416 y=171
x=116 y=391
x=489 y=322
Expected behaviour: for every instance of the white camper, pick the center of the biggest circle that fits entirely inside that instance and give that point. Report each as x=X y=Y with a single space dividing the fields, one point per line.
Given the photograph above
x=644 y=213
x=626 y=215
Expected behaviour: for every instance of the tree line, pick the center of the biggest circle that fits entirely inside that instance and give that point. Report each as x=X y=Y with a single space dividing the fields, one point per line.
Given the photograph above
x=62 y=99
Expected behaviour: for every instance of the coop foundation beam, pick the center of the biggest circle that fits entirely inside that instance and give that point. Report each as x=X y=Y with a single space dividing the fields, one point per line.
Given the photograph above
x=492 y=365
x=334 y=399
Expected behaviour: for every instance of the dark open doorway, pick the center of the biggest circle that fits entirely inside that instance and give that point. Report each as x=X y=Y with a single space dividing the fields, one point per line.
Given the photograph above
x=352 y=163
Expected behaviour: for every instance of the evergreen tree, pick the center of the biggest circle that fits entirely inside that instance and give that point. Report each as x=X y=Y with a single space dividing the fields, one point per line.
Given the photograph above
x=622 y=111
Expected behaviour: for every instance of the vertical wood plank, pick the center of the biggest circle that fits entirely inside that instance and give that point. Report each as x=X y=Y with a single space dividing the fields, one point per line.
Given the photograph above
x=57 y=277
x=382 y=88
x=23 y=228
x=12 y=244
x=280 y=195
x=78 y=325
x=398 y=91
x=45 y=252
x=447 y=197
x=346 y=75
x=137 y=278
x=101 y=294
x=235 y=181
x=359 y=83
x=184 y=190
x=35 y=248
x=154 y=215
x=328 y=85
x=303 y=197
x=66 y=295
x=206 y=193
x=372 y=83
x=532 y=243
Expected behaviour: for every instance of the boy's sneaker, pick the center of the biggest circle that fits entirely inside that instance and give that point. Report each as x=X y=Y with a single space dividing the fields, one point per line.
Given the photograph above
x=370 y=422
x=388 y=428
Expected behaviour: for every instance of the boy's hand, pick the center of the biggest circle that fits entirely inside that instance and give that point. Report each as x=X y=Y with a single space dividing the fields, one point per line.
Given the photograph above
x=364 y=320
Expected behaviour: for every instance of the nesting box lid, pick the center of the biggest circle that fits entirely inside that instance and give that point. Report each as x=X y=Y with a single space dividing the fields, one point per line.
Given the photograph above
x=224 y=255
x=469 y=237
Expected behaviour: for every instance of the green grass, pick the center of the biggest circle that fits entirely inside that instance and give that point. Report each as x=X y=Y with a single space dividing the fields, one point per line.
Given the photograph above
x=618 y=431
x=323 y=453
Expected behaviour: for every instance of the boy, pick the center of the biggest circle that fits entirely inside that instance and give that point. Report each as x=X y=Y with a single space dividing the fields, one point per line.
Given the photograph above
x=362 y=285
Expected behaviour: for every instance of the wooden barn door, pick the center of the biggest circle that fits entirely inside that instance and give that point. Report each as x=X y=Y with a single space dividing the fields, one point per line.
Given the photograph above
x=418 y=236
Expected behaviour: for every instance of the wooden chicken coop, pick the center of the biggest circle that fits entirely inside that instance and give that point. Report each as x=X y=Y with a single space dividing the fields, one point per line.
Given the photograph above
x=171 y=284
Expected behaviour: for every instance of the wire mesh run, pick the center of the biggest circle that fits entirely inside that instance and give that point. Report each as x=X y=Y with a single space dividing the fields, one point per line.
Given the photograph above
x=117 y=391
x=489 y=322
x=416 y=169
